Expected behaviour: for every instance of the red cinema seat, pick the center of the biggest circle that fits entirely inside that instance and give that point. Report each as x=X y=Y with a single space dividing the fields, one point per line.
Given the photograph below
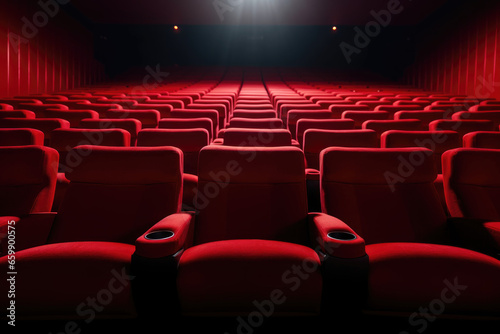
x=380 y=126
x=398 y=213
x=174 y=103
x=338 y=109
x=115 y=195
x=254 y=106
x=248 y=236
x=100 y=108
x=74 y=117
x=21 y=137
x=490 y=107
x=305 y=124
x=41 y=108
x=18 y=103
x=17 y=114
x=220 y=108
x=471 y=183
x=493 y=116
x=462 y=127
x=395 y=108
x=359 y=117
x=148 y=118
x=245 y=113
x=130 y=125
x=316 y=140
x=27 y=183
x=4 y=106
x=424 y=116
x=257 y=137
x=482 y=139
x=188 y=123
x=46 y=125
x=213 y=115
x=189 y=141
x=261 y=123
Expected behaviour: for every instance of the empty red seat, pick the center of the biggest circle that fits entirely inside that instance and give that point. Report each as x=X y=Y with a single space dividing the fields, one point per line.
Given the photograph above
x=46 y=125
x=424 y=116
x=316 y=140
x=74 y=117
x=493 y=116
x=220 y=108
x=100 y=108
x=21 y=137
x=18 y=103
x=245 y=113
x=250 y=234
x=492 y=107
x=359 y=117
x=130 y=125
x=213 y=115
x=339 y=109
x=17 y=114
x=395 y=108
x=187 y=123
x=257 y=137
x=305 y=124
x=115 y=195
x=27 y=182
x=175 y=103
x=4 y=106
x=471 y=183
x=482 y=139
x=261 y=123
x=149 y=118
x=380 y=126
x=189 y=141
x=462 y=127
x=397 y=211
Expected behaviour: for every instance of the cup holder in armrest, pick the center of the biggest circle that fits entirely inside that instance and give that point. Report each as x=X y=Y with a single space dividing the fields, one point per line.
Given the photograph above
x=159 y=235
x=341 y=235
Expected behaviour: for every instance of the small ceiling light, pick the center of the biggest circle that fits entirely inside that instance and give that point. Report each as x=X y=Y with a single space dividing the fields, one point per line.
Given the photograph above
x=334 y=28
x=176 y=28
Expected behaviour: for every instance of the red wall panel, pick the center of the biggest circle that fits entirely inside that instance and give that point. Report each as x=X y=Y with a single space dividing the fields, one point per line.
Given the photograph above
x=462 y=59
x=43 y=58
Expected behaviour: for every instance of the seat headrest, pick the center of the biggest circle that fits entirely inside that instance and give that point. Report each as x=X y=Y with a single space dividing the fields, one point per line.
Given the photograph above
x=23 y=165
x=472 y=166
x=377 y=166
x=255 y=165
x=126 y=165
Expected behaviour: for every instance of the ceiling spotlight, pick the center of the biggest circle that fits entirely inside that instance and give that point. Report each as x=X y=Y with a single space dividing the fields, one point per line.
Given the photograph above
x=176 y=28
x=334 y=28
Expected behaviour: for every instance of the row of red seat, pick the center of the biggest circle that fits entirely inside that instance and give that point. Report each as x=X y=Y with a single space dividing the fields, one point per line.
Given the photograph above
x=382 y=244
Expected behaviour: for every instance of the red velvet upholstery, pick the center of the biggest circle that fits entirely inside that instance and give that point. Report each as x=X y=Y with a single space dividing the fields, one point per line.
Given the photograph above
x=375 y=193
x=130 y=125
x=115 y=194
x=359 y=117
x=472 y=183
x=482 y=139
x=228 y=276
x=189 y=141
x=261 y=123
x=57 y=281
x=46 y=125
x=21 y=137
x=213 y=115
x=324 y=124
x=493 y=116
x=27 y=179
x=4 y=106
x=187 y=123
x=164 y=109
x=437 y=141
x=244 y=113
x=317 y=140
x=380 y=126
x=74 y=117
x=424 y=116
x=149 y=118
x=257 y=137
x=463 y=126
x=17 y=114
x=401 y=222
x=485 y=108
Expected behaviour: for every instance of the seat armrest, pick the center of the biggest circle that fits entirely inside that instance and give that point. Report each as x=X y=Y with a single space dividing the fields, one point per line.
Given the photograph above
x=334 y=238
x=167 y=237
x=312 y=174
x=476 y=234
x=28 y=231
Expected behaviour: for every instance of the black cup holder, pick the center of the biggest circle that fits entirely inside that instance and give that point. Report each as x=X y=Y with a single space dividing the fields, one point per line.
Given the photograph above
x=341 y=235
x=159 y=235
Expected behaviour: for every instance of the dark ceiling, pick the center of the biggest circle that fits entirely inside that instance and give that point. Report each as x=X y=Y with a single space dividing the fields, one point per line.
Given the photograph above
x=252 y=12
